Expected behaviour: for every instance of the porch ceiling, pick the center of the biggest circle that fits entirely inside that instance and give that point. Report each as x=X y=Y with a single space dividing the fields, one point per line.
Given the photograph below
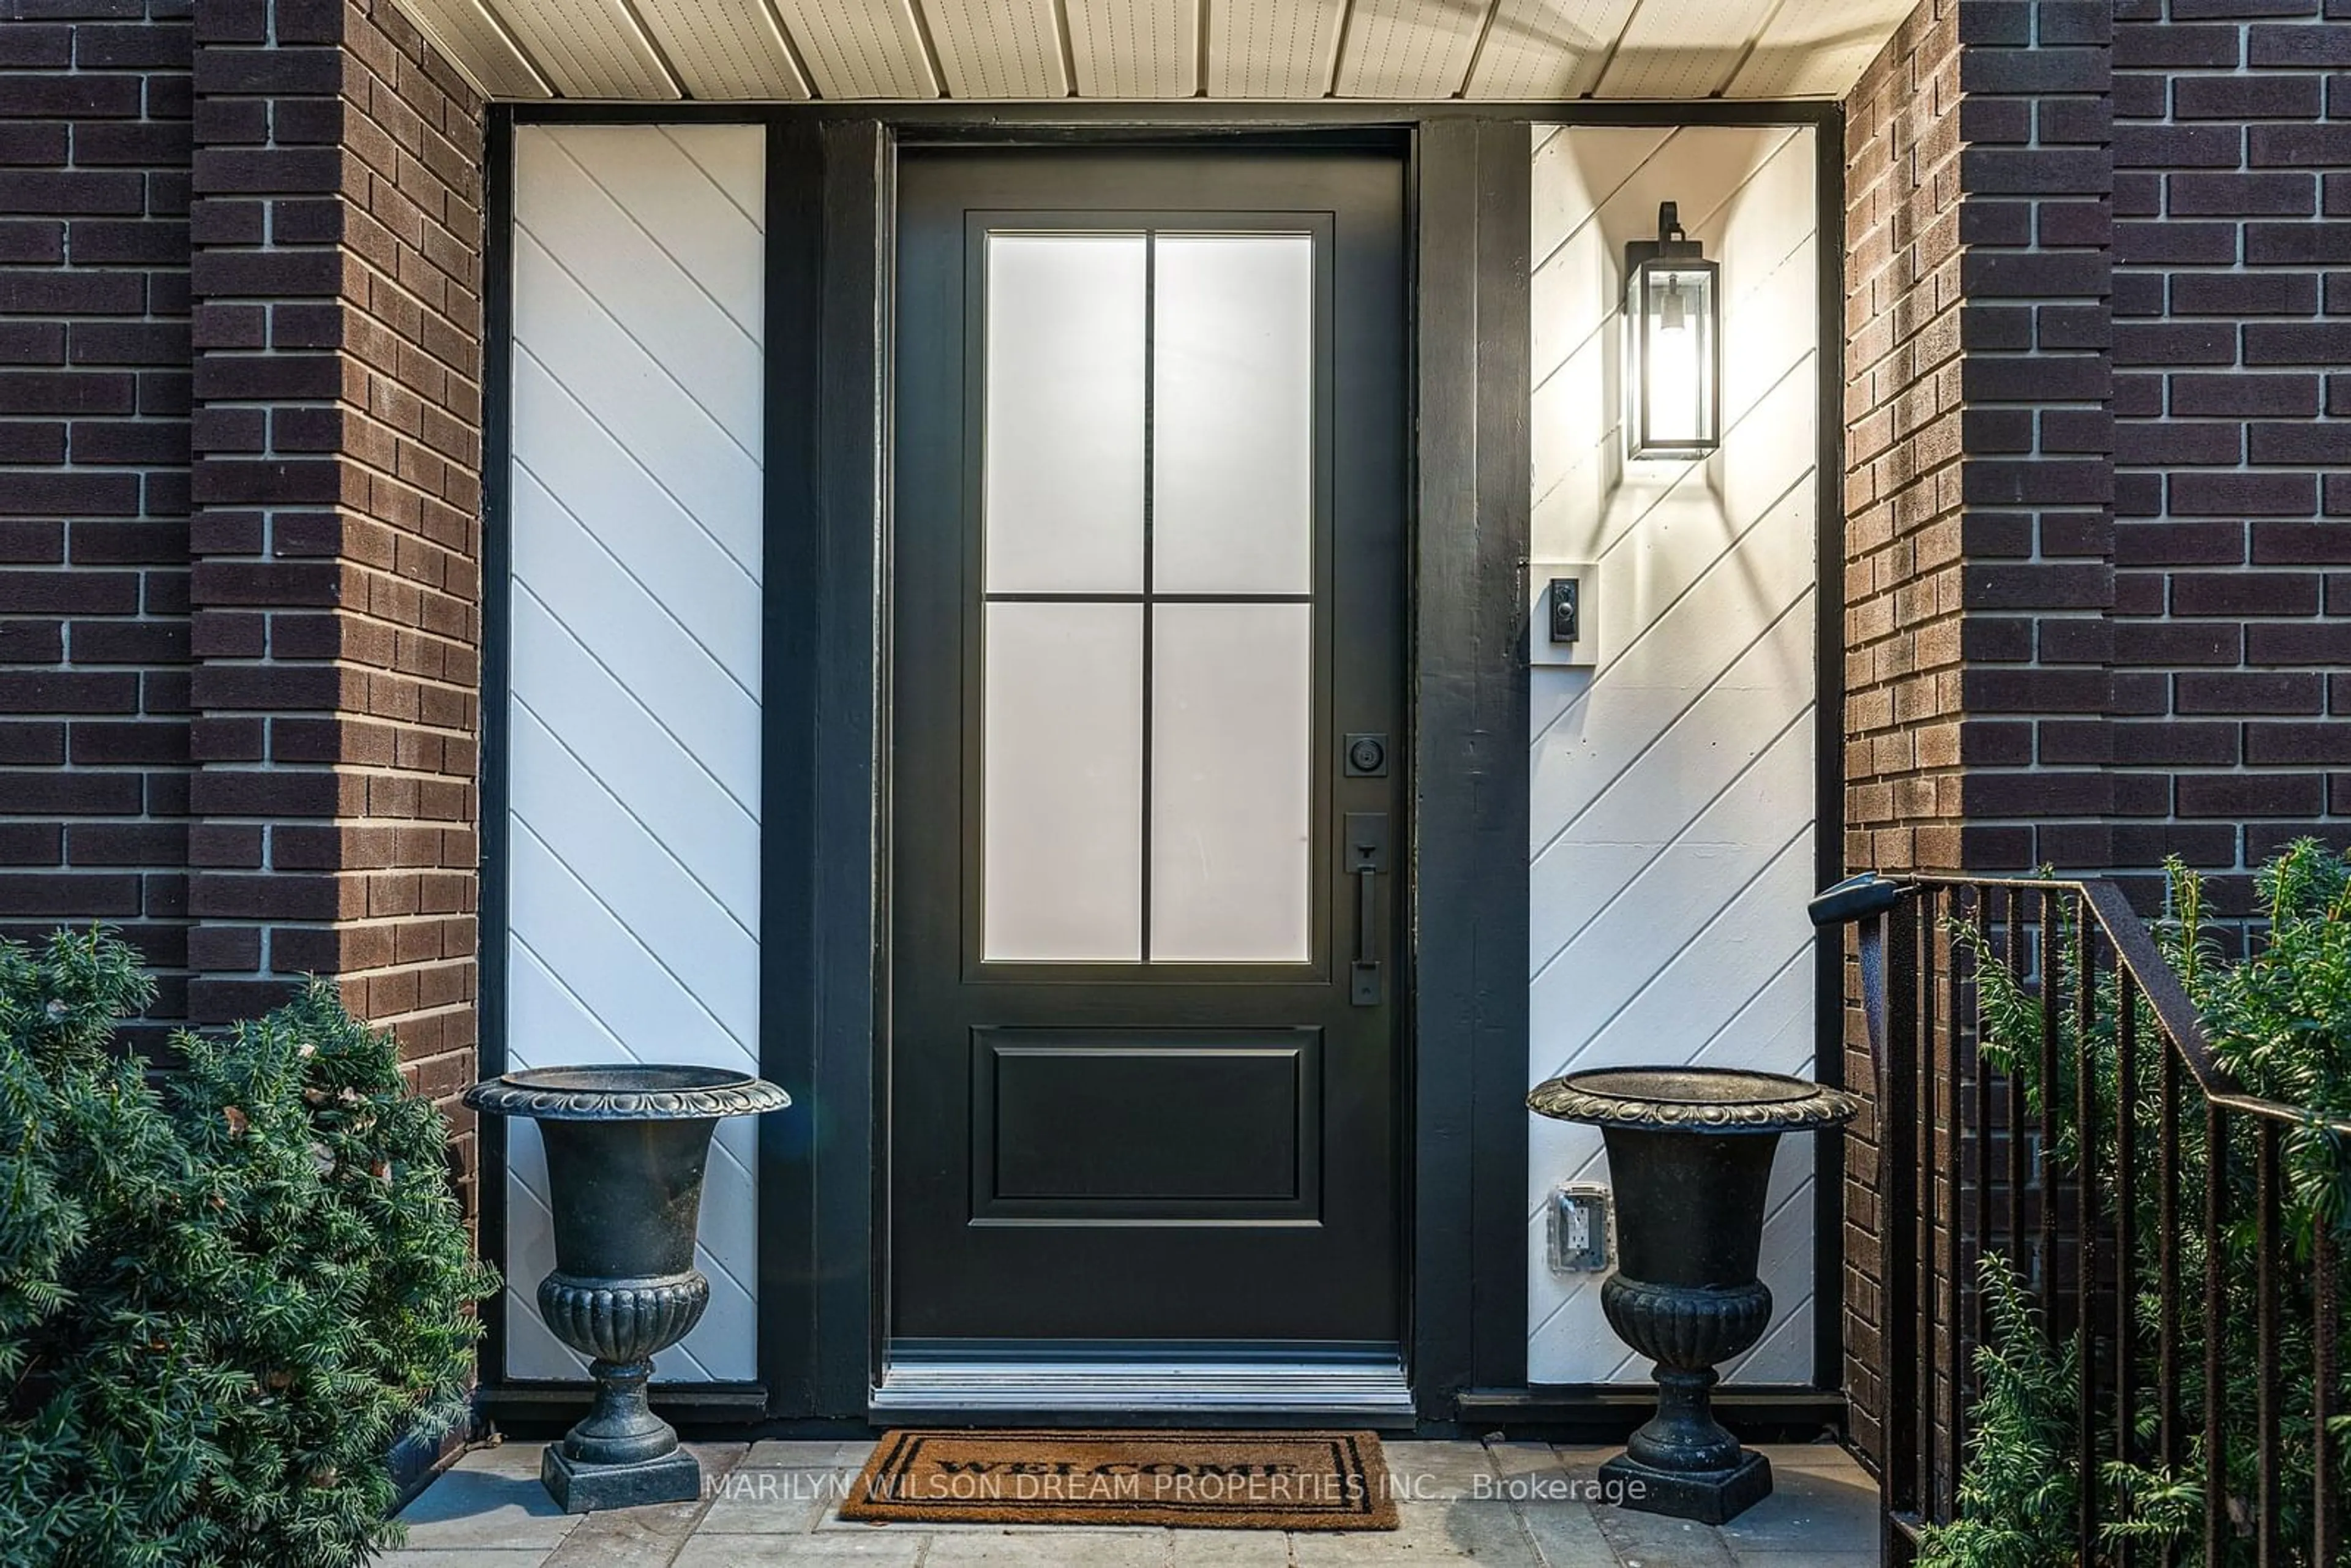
x=1393 y=50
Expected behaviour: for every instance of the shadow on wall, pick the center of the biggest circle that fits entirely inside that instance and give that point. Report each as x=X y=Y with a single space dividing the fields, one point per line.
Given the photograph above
x=1673 y=793
x=1624 y=51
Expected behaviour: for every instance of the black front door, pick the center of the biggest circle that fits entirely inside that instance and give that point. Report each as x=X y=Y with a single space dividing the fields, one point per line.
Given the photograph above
x=1144 y=1074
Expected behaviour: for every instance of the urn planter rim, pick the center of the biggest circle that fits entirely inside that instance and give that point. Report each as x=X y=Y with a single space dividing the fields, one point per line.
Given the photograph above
x=1720 y=1100
x=626 y=1091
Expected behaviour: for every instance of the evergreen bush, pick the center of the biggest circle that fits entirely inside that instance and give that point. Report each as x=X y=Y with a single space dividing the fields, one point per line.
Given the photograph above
x=2279 y=1023
x=226 y=1288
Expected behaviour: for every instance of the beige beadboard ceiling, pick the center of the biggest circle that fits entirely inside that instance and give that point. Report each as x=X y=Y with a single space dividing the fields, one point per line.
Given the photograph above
x=1395 y=50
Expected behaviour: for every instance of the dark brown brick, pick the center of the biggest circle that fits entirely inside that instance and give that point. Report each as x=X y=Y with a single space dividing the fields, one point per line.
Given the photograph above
x=2179 y=146
x=2194 y=396
x=2244 y=593
x=2244 y=495
x=2297 y=146
x=2249 y=692
x=2242 y=795
x=2209 y=195
x=2177 y=343
x=2298 y=745
x=2297 y=343
x=2177 y=46
x=2320 y=244
x=2301 y=544
x=2274 y=45
x=2246 y=98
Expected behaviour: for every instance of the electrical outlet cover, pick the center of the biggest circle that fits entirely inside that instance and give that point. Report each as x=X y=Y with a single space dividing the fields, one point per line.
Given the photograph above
x=1578 y=1217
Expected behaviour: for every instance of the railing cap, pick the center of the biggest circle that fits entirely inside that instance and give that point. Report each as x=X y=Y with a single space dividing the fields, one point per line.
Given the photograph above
x=1857 y=898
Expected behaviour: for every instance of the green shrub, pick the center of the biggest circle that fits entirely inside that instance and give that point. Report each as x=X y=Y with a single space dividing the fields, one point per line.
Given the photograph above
x=225 y=1288
x=2279 y=1022
x=2018 y=1491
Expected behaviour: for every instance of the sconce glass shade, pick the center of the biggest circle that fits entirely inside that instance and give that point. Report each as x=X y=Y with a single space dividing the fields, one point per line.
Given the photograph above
x=1673 y=346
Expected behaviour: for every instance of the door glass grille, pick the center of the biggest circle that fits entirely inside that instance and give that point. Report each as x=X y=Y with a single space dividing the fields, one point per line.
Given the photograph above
x=1148 y=685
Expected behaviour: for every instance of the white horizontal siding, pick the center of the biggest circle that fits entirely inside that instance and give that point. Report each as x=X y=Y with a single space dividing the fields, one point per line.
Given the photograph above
x=633 y=718
x=1672 y=793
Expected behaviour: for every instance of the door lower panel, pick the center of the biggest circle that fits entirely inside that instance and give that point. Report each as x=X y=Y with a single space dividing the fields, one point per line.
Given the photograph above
x=1109 y=1127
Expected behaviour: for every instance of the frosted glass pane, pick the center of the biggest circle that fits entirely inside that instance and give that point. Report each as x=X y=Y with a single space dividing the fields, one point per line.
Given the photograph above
x=1064 y=415
x=1063 y=842
x=1233 y=467
x=1232 y=813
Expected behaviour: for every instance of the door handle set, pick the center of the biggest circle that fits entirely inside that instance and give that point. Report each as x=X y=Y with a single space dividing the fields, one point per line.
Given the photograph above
x=1366 y=857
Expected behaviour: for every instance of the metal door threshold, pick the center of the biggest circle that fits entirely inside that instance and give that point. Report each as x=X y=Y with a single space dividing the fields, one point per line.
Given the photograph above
x=1190 y=1385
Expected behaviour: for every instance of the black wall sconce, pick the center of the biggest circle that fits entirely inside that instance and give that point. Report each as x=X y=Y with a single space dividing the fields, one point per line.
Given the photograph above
x=1673 y=345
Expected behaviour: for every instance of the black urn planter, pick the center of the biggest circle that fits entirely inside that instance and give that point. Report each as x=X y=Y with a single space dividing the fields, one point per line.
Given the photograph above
x=1689 y=1154
x=625 y=1151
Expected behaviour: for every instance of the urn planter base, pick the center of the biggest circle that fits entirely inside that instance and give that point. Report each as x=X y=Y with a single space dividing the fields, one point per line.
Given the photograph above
x=1710 y=1497
x=675 y=1476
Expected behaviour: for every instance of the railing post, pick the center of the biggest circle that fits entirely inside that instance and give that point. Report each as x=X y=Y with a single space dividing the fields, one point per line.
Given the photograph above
x=2215 y=1306
x=2269 y=1547
x=2170 y=1370
x=2125 y=1218
x=2085 y=1224
x=2045 y=1155
x=1897 y=1130
x=2327 y=1532
x=1955 y=1123
x=2013 y=955
x=1923 y=1089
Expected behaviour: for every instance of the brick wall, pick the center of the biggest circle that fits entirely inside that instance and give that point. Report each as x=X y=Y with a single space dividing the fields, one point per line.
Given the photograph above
x=1980 y=481
x=1979 y=489
x=2037 y=484
x=2153 y=619
x=239 y=514
x=2232 y=542
x=1902 y=426
x=94 y=373
x=1903 y=538
x=336 y=592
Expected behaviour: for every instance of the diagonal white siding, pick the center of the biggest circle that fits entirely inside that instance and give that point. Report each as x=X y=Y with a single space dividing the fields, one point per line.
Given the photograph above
x=1673 y=807
x=634 y=717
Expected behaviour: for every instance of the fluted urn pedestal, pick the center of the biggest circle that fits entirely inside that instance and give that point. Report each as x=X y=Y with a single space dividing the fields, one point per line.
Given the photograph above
x=625 y=1151
x=1690 y=1155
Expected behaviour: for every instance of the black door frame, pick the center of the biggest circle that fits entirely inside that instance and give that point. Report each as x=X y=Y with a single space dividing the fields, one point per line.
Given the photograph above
x=826 y=785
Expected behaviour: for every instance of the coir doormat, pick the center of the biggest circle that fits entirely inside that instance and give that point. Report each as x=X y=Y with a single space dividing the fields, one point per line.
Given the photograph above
x=1223 y=1480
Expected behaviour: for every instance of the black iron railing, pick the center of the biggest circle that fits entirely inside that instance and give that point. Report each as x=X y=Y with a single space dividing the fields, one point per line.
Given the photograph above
x=2047 y=1103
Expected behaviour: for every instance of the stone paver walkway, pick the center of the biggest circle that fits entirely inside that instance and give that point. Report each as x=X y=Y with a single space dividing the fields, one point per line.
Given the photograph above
x=1512 y=1505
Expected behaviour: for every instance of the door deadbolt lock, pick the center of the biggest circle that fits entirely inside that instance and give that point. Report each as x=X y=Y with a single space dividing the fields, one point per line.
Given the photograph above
x=1367 y=756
